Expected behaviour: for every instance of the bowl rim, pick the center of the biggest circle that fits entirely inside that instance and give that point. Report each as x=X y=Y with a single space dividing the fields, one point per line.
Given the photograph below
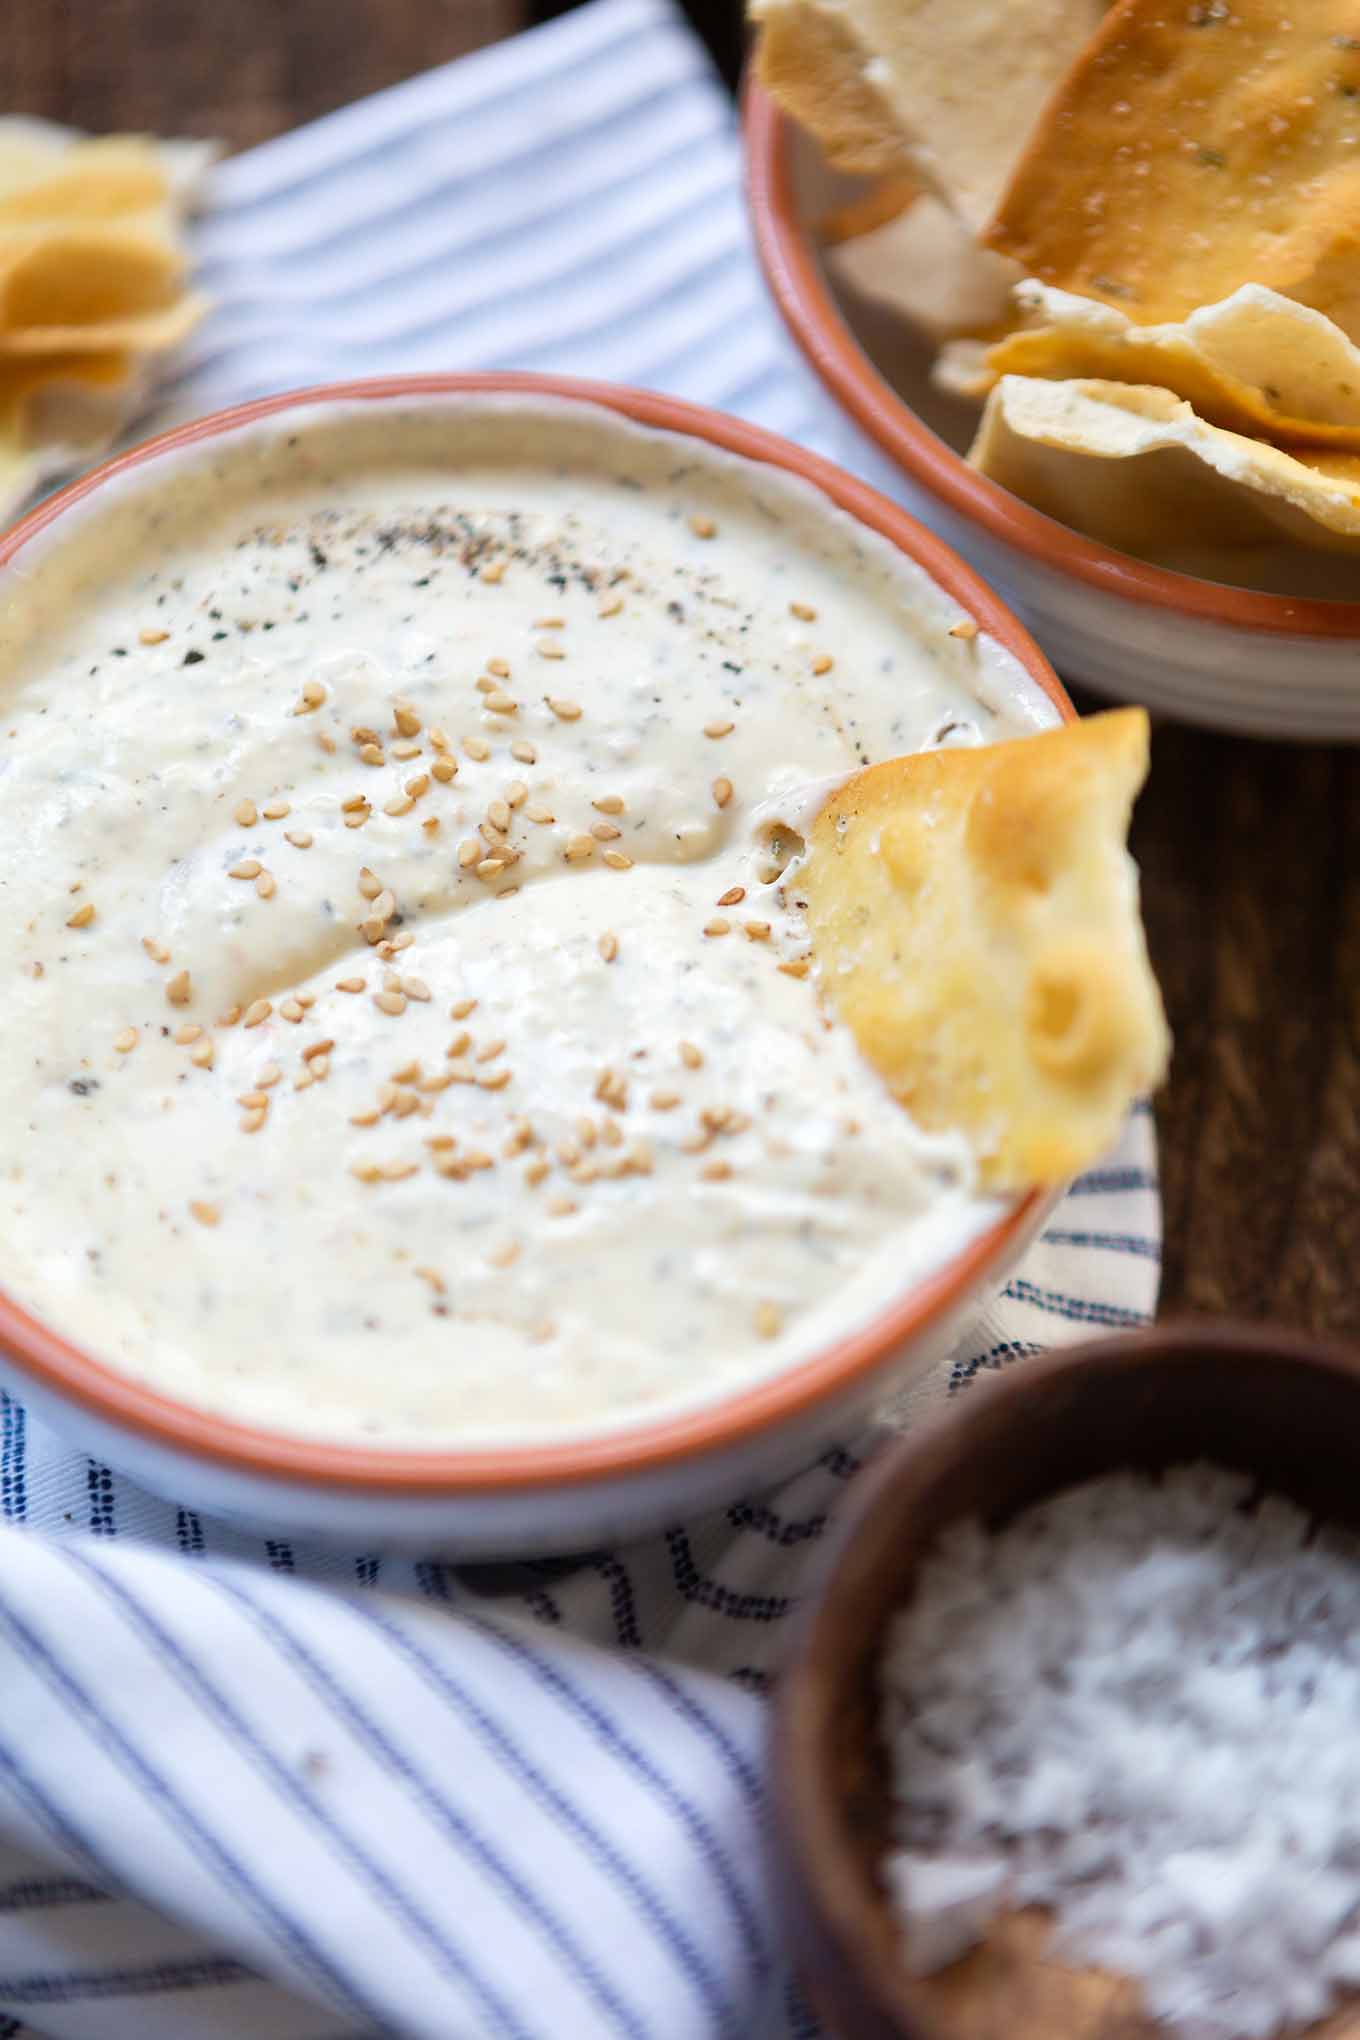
x=815 y=320
x=61 y=1365
x=817 y=1874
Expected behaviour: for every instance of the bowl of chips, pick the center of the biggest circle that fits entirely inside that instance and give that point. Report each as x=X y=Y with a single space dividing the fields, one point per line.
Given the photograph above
x=94 y=292
x=1087 y=281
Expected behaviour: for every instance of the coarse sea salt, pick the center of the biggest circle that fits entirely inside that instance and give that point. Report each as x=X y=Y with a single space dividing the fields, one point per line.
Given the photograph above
x=1138 y=1705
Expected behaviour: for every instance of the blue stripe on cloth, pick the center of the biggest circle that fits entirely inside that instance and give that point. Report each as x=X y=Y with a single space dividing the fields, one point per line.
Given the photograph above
x=1080 y=1310
x=397 y=1902
x=685 y=1951
x=1112 y=1182
x=154 y=1979
x=710 y=1731
x=37 y=1894
x=41 y=1810
x=643 y=1767
x=1106 y=1243
x=285 y=1931
x=474 y=1841
x=13 y=1454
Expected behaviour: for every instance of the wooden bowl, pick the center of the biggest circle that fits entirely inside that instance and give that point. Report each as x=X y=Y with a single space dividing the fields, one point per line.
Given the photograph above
x=1276 y=1405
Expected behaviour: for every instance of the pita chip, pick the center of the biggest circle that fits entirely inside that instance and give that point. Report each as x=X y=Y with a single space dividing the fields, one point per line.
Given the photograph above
x=1192 y=148
x=1127 y=465
x=943 y=91
x=927 y=267
x=974 y=914
x=1257 y=363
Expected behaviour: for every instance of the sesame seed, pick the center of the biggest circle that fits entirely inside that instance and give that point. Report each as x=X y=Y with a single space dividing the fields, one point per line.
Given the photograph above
x=405 y=1104
x=385 y=904
x=408 y=1072
x=203 y=1054
x=491 y=867
x=406 y=720
x=152 y=637
x=461 y=1043
x=769 y=1320
x=82 y=916
x=439 y=738
x=964 y=628
x=608 y=946
x=536 y=812
x=257 y=1011
x=617 y=860
x=245 y=814
x=690 y=1056
x=372 y=754
x=797 y=967
x=495 y=572
x=536 y=1170
x=349 y=984
x=469 y=852
x=564 y=710
x=475 y=1159
x=718 y=728
x=266 y=885
x=368 y=1118
x=439 y=1081
x=561 y=1207
x=664 y=1101
x=489 y=1051
x=611 y=607
x=368 y=882
x=268 y=1077
x=157 y=951
x=722 y=792
x=516 y=793
x=402 y=941
x=524 y=752
x=391 y=982
x=367 y=1172
x=717 y=926
x=579 y=847
x=605 y=832
x=716 y=1172
x=249 y=867
x=275 y=810
x=611 y=1089
x=126 y=1041
x=305 y=999
x=371 y=928
x=289 y=1009
x=703 y=527
x=324 y=741
x=390 y=1002
x=405 y=751
x=803 y=611
x=418 y=785
x=484 y=684
x=640 y=1158
x=301 y=839
x=503 y=1255
x=230 y=1017
x=756 y=931
x=179 y=988
x=254 y=1101
x=397 y=1172
x=251 y=1122
x=822 y=663
x=498 y=814
x=493 y=1080
x=357 y=819
x=477 y=748
x=502 y=704
x=206 y=1214
x=460 y=1008
x=313 y=693
x=401 y=805
x=732 y=897
x=416 y=988
x=443 y=769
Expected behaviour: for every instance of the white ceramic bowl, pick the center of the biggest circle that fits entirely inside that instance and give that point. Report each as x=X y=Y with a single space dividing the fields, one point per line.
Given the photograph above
x=1200 y=650
x=540 y=1497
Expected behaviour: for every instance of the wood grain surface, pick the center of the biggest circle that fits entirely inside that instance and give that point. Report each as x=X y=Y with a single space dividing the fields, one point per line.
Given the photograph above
x=1250 y=852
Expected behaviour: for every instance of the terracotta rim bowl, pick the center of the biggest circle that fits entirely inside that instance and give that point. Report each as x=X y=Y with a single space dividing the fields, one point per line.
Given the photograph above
x=79 y=1377
x=1277 y=1405
x=814 y=318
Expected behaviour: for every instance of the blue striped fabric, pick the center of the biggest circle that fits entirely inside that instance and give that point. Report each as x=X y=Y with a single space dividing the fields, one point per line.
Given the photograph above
x=251 y=1788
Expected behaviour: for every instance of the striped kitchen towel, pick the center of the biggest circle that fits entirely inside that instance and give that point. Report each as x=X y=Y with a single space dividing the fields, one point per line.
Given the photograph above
x=248 y=1788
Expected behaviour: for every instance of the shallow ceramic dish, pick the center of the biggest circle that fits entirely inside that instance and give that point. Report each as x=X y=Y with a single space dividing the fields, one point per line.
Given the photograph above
x=1200 y=650
x=545 y=1496
x=1276 y=1405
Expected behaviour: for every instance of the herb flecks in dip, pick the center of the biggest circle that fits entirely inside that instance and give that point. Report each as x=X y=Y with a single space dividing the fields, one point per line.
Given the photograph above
x=410 y=1031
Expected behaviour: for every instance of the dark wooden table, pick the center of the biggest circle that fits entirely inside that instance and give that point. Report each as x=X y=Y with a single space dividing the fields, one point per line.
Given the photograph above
x=1250 y=853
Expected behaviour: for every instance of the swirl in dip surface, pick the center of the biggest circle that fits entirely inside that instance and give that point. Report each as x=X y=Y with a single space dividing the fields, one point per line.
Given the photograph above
x=408 y=1036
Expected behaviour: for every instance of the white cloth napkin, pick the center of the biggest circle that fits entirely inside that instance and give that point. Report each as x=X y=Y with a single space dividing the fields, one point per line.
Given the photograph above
x=251 y=1789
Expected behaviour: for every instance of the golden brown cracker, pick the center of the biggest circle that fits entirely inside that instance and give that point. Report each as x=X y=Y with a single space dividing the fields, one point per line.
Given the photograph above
x=974 y=915
x=1133 y=467
x=884 y=201
x=1192 y=147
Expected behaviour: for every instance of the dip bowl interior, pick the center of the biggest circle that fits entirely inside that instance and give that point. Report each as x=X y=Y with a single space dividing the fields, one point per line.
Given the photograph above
x=544 y=1492
x=1271 y=1404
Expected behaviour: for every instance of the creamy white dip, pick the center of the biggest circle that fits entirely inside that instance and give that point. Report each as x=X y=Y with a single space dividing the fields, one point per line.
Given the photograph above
x=501 y=1103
